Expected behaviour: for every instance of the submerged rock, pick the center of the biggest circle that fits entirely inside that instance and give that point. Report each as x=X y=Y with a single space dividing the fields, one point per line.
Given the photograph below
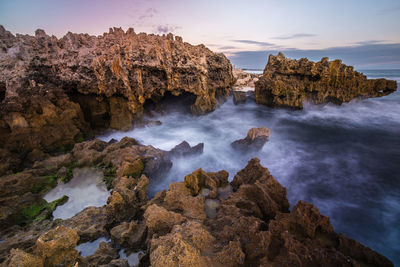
x=184 y=149
x=255 y=139
x=289 y=82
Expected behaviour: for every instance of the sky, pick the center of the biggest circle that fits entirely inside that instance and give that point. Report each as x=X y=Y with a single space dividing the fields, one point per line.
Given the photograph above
x=364 y=33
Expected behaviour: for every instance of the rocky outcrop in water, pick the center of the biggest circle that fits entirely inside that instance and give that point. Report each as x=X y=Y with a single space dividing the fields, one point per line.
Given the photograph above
x=54 y=92
x=252 y=227
x=184 y=149
x=199 y=222
x=289 y=82
x=254 y=141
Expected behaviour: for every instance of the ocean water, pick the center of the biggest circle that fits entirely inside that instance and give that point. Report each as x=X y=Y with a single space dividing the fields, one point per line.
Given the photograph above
x=344 y=159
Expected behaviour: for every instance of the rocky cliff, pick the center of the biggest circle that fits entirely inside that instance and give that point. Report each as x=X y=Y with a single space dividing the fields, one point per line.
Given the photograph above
x=289 y=82
x=53 y=92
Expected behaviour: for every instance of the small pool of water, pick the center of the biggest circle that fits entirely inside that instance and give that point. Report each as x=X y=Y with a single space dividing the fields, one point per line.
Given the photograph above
x=131 y=257
x=89 y=248
x=85 y=189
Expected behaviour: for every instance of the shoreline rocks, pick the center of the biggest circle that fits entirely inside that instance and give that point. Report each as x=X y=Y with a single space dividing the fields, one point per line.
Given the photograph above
x=196 y=223
x=289 y=82
x=254 y=141
x=56 y=92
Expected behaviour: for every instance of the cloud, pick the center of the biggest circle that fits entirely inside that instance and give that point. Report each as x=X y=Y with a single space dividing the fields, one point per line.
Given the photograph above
x=148 y=14
x=295 y=36
x=228 y=47
x=165 y=28
x=370 y=42
x=368 y=56
x=253 y=42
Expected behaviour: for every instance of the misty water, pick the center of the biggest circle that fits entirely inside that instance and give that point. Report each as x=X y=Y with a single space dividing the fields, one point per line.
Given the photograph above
x=85 y=189
x=344 y=159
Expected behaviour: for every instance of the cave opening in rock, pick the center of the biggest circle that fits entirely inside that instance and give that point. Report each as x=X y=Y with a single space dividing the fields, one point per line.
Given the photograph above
x=96 y=109
x=169 y=103
x=2 y=91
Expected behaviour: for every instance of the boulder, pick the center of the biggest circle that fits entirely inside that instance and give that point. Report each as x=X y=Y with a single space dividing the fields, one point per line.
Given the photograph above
x=254 y=141
x=182 y=247
x=57 y=247
x=90 y=223
x=126 y=199
x=19 y=258
x=289 y=82
x=184 y=149
x=103 y=255
x=131 y=235
x=239 y=97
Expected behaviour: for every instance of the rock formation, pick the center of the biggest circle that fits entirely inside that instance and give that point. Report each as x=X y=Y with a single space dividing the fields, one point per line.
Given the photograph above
x=184 y=149
x=54 y=92
x=239 y=97
x=255 y=140
x=127 y=167
x=249 y=226
x=244 y=79
x=289 y=82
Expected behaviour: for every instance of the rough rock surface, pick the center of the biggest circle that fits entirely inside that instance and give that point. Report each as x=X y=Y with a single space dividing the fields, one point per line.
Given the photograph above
x=127 y=168
x=54 y=92
x=244 y=79
x=135 y=66
x=239 y=97
x=252 y=226
x=255 y=139
x=289 y=82
x=184 y=149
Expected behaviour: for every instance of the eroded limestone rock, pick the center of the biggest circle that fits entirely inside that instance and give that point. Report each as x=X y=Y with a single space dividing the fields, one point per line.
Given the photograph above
x=289 y=82
x=255 y=140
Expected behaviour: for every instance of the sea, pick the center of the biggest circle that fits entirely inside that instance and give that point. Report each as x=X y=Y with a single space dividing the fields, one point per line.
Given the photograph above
x=343 y=159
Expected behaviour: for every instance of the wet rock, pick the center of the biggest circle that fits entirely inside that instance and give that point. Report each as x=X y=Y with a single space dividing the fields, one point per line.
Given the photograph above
x=160 y=221
x=184 y=149
x=254 y=141
x=199 y=180
x=126 y=199
x=239 y=97
x=130 y=235
x=90 y=223
x=19 y=258
x=57 y=247
x=202 y=221
x=103 y=255
x=289 y=82
x=182 y=247
x=117 y=263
